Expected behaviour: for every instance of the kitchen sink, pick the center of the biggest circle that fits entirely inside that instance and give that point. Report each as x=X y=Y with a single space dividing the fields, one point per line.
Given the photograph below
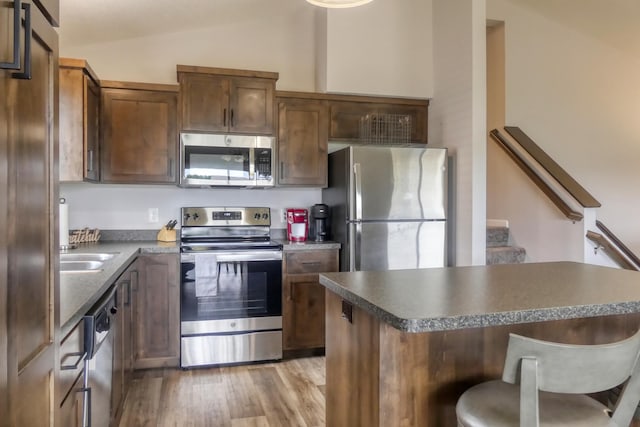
x=80 y=266
x=64 y=257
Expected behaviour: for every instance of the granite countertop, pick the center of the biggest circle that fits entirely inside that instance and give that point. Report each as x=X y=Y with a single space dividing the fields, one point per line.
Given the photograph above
x=80 y=291
x=440 y=299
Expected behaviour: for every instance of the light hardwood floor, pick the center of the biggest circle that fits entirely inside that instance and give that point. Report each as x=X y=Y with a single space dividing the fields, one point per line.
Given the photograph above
x=288 y=393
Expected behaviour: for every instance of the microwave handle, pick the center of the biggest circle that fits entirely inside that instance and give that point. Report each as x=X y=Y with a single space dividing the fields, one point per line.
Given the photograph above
x=252 y=162
x=224 y=117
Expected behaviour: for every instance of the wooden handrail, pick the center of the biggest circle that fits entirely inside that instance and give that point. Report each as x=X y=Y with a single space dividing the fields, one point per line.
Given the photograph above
x=611 y=249
x=577 y=191
x=546 y=189
x=621 y=246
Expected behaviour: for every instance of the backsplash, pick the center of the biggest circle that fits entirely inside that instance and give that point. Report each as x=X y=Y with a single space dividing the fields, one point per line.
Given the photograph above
x=126 y=207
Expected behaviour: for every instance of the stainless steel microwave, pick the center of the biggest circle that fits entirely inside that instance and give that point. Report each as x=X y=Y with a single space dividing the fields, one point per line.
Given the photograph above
x=226 y=160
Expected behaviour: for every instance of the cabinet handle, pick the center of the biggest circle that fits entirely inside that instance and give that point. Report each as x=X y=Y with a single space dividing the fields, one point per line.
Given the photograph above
x=232 y=124
x=134 y=284
x=281 y=169
x=80 y=355
x=170 y=167
x=27 y=44
x=15 y=65
x=127 y=301
x=311 y=262
x=347 y=311
x=90 y=161
x=224 y=117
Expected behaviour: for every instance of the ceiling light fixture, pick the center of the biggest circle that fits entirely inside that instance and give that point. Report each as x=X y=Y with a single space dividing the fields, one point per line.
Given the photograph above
x=338 y=3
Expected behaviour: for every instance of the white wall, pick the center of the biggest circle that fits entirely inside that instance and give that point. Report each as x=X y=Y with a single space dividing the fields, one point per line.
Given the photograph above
x=125 y=207
x=579 y=100
x=279 y=36
x=457 y=116
x=381 y=48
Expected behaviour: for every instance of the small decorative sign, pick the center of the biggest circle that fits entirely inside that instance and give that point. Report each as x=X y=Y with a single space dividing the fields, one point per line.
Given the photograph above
x=84 y=236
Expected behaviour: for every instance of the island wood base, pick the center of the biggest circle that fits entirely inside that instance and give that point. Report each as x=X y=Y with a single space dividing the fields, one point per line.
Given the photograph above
x=377 y=375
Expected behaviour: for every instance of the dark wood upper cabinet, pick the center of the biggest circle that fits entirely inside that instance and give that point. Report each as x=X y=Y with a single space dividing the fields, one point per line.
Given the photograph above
x=345 y=116
x=302 y=142
x=79 y=121
x=224 y=100
x=139 y=139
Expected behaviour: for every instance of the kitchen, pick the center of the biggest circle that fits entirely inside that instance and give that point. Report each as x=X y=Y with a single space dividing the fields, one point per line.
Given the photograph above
x=116 y=209
x=108 y=197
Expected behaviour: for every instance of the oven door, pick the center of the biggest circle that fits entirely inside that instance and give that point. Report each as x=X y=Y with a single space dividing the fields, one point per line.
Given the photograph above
x=220 y=285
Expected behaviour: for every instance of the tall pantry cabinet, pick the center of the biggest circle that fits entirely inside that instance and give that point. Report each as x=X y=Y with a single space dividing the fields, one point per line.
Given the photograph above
x=28 y=211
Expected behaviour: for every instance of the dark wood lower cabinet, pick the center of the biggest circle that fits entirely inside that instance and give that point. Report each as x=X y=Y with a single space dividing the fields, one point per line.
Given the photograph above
x=156 y=315
x=122 y=342
x=303 y=309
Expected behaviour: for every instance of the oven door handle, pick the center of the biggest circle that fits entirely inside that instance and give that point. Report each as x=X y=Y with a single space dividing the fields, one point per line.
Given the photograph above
x=237 y=256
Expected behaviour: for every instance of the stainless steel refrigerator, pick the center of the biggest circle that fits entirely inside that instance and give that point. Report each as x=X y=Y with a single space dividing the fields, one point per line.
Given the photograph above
x=388 y=207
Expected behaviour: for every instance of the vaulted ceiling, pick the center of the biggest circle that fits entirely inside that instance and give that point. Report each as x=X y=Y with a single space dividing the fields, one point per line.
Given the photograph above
x=614 y=22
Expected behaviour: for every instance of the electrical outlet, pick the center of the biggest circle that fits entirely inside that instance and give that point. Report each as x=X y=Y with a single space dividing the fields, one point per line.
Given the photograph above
x=153 y=215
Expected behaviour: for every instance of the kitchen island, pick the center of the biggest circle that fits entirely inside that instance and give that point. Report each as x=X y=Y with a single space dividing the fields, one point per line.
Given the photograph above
x=401 y=346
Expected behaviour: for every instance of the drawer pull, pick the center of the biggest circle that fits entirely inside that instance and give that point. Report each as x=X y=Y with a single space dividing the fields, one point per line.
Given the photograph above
x=80 y=355
x=311 y=263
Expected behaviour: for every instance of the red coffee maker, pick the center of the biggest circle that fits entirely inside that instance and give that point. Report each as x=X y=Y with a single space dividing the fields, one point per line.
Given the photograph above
x=297 y=224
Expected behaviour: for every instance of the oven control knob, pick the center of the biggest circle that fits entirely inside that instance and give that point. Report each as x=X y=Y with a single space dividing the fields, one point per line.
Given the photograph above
x=196 y=216
x=256 y=216
x=265 y=216
x=186 y=217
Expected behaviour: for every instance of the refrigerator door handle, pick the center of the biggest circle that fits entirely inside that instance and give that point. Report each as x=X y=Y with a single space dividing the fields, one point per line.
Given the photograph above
x=357 y=176
x=358 y=246
x=354 y=229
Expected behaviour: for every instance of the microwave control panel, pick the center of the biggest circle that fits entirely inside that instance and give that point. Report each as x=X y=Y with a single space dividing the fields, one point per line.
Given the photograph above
x=263 y=163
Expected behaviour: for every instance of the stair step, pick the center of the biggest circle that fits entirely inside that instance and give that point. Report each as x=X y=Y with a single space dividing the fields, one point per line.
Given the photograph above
x=505 y=255
x=497 y=236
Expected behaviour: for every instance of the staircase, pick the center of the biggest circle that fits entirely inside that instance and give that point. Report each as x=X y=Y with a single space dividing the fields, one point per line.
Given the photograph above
x=498 y=249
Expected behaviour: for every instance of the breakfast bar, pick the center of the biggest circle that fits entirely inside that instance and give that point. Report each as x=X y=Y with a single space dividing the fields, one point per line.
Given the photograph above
x=401 y=346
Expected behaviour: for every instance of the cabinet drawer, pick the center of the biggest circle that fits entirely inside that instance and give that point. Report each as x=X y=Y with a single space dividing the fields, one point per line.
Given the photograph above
x=71 y=358
x=311 y=262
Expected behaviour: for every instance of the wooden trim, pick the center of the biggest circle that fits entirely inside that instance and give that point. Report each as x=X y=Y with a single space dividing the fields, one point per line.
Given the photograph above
x=546 y=189
x=571 y=185
x=110 y=84
x=80 y=64
x=611 y=250
x=227 y=72
x=618 y=243
x=352 y=98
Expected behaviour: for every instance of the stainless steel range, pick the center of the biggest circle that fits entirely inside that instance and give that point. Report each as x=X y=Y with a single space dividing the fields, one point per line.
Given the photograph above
x=231 y=287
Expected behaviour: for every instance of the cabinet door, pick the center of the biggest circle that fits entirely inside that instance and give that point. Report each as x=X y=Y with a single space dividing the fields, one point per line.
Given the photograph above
x=251 y=106
x=71 y=408
x=302 y=142
x=28 y=218
x=157 y=312
x=303 y=325
x=79 y=114
x=139 y=136
x=345 y=118
x=204 y=103
x=91 y=130
x=303 y=312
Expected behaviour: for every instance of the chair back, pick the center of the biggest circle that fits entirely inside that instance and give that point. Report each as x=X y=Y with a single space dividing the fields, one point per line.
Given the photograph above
x=568 y=368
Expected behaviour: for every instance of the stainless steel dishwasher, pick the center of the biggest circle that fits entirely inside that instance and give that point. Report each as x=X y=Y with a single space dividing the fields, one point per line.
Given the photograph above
x=98 y=365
